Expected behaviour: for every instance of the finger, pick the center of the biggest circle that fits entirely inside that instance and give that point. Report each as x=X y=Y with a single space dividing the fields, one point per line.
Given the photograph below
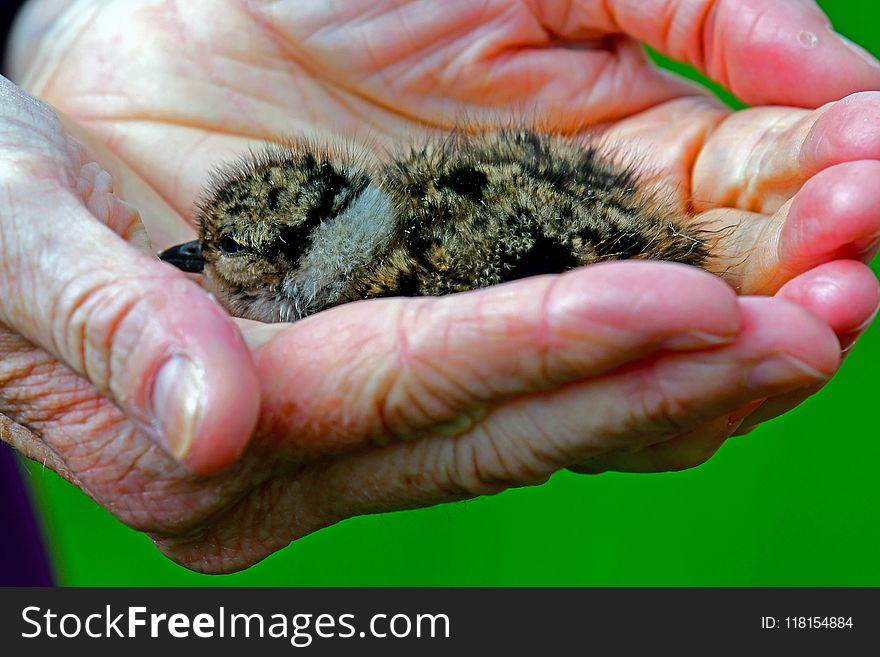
x=668 y=396
x=482 y=59
x=758 y=159
x=844 y=294
x=755 y=48
x=681 y=452
x=836 y=215
x=842 y=132
x=165 y=224
x=807 y=170
x=665 y=143
x=135 y=328
x=399 y=477
x=146 y=337
x=63 y=423
x=403 y=367
x=527 y=438
x=603 y=81
x=779 y=53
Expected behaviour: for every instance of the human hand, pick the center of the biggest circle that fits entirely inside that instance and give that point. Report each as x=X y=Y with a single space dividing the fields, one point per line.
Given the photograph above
x=77 y=280
x=298 y=431
x=376 y=413
x=257 y=72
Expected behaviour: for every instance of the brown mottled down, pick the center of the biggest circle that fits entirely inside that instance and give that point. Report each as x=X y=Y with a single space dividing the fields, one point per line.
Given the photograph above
x=293 y=230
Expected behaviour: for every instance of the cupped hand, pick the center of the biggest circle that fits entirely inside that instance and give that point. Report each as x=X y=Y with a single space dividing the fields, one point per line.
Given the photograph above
x=77 y=279
x=637 y=366
x=784 y=187
x=398 y=403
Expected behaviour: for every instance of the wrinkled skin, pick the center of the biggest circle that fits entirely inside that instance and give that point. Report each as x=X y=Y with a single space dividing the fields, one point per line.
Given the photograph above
x=399 y=403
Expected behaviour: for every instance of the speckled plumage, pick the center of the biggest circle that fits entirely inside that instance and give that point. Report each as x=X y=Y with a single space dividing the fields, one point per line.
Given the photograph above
x=297 y=229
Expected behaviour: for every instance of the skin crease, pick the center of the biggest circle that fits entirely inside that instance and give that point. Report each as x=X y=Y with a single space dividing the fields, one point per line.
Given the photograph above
x=398 y=403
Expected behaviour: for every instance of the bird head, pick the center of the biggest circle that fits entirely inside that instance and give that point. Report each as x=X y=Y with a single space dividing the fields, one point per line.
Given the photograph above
x=281 y=231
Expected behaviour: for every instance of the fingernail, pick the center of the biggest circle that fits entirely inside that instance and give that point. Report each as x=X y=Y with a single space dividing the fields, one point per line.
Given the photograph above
x=176 y=404
x=696 y=340
x=848 y=340
x=867 y=57
x=256 y=334
x=867 y=247
x=782 y=371
x=861 y=328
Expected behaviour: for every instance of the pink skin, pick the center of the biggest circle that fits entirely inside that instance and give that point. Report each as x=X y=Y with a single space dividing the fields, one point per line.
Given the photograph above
x=847 y=307
x=398 y=403
x=749 y=46
x=104 y=308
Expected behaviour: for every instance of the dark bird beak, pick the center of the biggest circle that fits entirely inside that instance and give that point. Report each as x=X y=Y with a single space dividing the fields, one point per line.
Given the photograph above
x=187 y=257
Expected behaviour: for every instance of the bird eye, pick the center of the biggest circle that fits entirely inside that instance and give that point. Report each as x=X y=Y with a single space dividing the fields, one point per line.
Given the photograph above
x=229 y=246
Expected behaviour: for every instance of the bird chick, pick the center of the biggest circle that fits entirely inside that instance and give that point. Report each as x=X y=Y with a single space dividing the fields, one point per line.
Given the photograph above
x=296 y=229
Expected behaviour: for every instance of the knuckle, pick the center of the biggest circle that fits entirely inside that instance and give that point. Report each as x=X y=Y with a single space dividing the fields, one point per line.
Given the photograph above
x=484 y=465
x=422 y=387
x=89 y=311
x=96 y=323
x=656 y=411
x=95 y=187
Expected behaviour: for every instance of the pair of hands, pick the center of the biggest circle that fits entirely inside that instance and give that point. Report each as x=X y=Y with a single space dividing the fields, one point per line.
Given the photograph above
x=131 y=379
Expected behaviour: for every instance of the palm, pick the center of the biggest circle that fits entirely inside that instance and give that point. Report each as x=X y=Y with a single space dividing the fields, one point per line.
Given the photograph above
x=362 y=71
x=200 y=85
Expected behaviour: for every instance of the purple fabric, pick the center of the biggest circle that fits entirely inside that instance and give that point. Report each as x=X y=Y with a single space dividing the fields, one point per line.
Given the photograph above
x=23 y=560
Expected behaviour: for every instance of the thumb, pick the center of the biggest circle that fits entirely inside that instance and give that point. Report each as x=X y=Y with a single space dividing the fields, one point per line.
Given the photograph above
x=141 y=332
x=767 y=53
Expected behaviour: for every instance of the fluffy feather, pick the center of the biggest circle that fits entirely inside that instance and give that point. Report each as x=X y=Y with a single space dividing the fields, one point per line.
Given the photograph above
x=293 y=230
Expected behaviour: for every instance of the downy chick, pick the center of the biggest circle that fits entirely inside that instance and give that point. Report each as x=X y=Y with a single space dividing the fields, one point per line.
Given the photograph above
x=297 y=229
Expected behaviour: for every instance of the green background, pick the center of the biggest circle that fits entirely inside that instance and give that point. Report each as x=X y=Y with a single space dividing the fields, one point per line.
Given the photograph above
x=796 y=502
